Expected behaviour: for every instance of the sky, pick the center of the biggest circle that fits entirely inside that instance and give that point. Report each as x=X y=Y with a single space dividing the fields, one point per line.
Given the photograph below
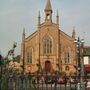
x=18 y=14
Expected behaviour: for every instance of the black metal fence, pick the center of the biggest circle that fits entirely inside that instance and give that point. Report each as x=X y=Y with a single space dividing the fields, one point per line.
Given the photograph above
x=38 y=82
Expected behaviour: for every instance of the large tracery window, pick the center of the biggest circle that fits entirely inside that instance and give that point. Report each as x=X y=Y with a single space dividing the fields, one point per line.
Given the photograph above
x=47 y=45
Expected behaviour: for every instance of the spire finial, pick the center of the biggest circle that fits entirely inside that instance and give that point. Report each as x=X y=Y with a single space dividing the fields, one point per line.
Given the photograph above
x=73 y=33
x=39 y=18
x=23 y=30
x=23 y=36
x=48 y=6
x=57 y=18
x=57 y=12
x=39 y=14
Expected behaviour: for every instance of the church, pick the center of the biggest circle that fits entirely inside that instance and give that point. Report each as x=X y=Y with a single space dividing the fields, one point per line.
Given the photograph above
x=49 y=48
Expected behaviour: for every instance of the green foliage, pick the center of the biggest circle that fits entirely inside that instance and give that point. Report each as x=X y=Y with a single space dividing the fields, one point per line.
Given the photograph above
x=4 y=81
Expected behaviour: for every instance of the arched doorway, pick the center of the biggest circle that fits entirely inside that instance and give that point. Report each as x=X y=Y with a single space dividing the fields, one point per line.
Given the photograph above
x=47 y=66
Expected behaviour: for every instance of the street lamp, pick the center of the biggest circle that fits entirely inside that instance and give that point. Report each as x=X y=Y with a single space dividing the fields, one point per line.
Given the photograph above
x=80 y=65
x=11 y=51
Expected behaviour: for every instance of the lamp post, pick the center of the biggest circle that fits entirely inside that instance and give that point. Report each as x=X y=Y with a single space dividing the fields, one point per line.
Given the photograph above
x=80 y=64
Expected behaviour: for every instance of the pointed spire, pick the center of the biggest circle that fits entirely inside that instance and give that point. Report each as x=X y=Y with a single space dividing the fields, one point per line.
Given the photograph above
x=24 y=31
x=48 y=6
x=39 y=14
x=39 y=18
x=48 y=11
x=73 y=33
x=23 y=35
x=23 y=49
x=57 y=18
x=57 y=13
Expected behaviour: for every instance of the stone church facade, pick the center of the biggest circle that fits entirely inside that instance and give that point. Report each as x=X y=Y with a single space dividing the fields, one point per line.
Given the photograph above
x=49 y=48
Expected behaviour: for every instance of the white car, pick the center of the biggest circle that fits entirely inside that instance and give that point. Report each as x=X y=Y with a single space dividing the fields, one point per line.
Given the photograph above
x=88 y=84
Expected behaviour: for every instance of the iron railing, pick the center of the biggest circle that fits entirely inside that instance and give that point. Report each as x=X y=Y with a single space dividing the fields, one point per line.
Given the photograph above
x=38 y=82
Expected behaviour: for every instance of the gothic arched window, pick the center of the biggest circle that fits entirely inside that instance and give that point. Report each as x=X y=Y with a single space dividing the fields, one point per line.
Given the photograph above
x=29 y=57
x=47 y=45
x=66 y=57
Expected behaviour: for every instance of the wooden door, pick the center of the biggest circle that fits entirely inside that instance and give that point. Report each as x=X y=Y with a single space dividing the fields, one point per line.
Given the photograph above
x=47 y=66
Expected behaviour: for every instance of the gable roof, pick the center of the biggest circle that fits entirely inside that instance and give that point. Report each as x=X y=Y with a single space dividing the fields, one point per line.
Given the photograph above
x=60 y=31
x=66 y=35
x=31 y=36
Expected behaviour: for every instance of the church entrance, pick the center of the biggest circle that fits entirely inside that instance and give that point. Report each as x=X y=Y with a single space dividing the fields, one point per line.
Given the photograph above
x=47 y=66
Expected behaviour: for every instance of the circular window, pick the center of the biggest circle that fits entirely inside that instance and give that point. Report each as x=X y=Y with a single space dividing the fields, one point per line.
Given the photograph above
x=67 y=68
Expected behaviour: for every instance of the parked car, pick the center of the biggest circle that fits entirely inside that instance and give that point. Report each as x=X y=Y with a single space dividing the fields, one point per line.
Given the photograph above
x=62 y=80
x=73 y=80
x=49 y=79
x=88 y=84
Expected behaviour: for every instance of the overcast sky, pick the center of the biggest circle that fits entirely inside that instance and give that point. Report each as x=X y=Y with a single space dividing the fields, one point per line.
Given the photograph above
x=16 y=14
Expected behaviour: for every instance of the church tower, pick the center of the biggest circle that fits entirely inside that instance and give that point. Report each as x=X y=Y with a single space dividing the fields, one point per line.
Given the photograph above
x=48 y=11
x=74 y=33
